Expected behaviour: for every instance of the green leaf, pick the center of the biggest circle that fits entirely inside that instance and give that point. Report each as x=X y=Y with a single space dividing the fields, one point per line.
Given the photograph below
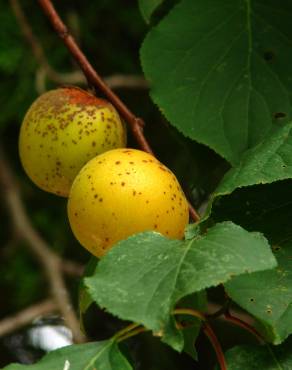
x=260 y=357
x=268 y=295
x=143 y=277
x=190 y=334
x=267 y=208
x=191 y=231
x=264 y=208
x=103 y=355
x=221 y=71
x=269 y=161
x=147 y=7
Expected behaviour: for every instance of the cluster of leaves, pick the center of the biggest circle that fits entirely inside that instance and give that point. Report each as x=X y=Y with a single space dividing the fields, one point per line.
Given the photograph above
x=220 y=73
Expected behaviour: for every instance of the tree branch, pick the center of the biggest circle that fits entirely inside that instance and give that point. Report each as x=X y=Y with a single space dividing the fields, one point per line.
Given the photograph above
x=35 y=45
x=244 y=325
x=135 y=123
x=92 y=76
x=25 y=317
x=208 y=331
x=71 y=268
x=216 y=345
x=51 y=263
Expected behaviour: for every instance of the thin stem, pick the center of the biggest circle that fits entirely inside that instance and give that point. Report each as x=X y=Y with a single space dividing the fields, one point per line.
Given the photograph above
x=216 y=345
x=221 y=311
x=193 y=213
x=135 y=123
x=92 y=76
x=125 y=330
x=190 y=312
x=208 y=331
x=131 y=333
x=236 y=321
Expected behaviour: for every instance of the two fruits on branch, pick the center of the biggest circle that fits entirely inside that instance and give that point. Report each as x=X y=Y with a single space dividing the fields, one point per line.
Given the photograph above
x=73 y=144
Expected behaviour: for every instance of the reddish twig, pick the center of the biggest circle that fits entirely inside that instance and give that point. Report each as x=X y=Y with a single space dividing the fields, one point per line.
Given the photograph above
x=25 y=317
x=216 y=345
x=193 y=213
x=244 y=325
x=136 y=123
x=242 y=320
x=92 y=76
x=208 y=332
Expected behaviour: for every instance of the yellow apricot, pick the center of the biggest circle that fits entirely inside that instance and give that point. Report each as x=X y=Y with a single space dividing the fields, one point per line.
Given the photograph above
x=123 y=192
x=62 y=130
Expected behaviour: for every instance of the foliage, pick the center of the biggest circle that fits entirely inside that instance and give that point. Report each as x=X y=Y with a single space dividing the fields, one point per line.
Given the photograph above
x=264 y=357
x=153 y=273
x=102 y=355
x=220 y=73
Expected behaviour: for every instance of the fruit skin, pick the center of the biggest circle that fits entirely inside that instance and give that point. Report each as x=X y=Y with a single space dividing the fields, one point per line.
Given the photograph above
x=62 y=130
x=123 y=192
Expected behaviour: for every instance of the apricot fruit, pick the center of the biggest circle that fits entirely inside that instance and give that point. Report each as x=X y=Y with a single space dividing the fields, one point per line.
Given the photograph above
x=122 y=192
x=62 y=130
